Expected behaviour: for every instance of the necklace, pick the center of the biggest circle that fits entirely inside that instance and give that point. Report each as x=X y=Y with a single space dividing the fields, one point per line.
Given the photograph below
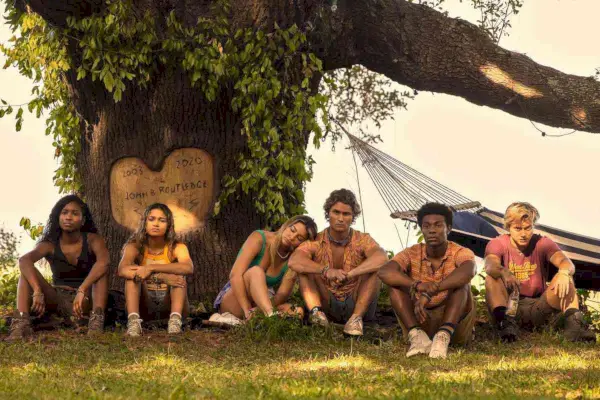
x=342 y=242
x=283 y=257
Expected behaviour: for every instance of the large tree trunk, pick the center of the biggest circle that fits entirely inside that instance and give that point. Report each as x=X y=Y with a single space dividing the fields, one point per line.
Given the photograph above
x=149 y=124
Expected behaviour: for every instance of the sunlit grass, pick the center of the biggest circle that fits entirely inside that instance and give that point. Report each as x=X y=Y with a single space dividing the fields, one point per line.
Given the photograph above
x=204 y=364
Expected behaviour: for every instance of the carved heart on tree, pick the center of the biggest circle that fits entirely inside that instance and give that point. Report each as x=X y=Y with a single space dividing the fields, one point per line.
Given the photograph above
x=185 y=184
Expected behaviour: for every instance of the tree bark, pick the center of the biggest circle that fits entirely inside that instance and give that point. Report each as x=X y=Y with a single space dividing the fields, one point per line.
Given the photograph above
x=419 y=47
x=412 y=44
x=149 y=124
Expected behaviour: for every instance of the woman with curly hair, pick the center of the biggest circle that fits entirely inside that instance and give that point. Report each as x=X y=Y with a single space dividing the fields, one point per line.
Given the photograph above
x=260 y=276
x=78 y=259
x=154 y=265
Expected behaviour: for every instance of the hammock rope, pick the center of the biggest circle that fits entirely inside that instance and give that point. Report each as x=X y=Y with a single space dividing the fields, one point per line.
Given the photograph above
x=402 y=188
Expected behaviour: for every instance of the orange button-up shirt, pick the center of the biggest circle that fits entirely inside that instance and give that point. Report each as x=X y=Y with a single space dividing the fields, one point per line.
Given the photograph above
x=355 y=252
x=414 y=262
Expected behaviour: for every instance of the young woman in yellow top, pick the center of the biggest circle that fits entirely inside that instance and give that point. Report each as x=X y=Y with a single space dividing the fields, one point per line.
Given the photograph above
x=154 y=265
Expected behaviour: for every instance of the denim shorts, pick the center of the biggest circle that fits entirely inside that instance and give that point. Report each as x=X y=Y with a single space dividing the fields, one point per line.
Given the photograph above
x=227 y=288
x=340 y=311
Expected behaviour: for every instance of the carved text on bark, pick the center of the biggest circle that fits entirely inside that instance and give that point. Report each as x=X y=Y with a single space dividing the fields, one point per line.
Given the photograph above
x=185 y=184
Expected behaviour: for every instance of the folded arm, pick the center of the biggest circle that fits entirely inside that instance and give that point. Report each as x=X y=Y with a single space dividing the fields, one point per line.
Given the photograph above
x=301 y=263
x=183 y=266
x=392 y=275
x=376 y=257
x=459 y=277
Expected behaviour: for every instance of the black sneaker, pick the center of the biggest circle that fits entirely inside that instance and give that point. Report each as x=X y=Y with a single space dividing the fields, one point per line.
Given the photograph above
x=576 y=330
x=508 y=330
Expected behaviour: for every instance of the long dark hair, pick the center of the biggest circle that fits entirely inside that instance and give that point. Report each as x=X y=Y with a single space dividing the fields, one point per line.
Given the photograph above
x=52 y=229
x=140 y=236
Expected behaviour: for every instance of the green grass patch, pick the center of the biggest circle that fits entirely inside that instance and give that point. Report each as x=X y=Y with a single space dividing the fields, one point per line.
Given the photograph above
x=259 y=363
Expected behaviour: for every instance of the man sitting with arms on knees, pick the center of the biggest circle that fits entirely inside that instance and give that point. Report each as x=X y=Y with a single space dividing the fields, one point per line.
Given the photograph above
x=430 y=286
x=78 y=259
x=338 y=270
x=518 y=263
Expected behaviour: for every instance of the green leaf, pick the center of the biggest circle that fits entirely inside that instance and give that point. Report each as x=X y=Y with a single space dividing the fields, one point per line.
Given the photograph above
x=109 y=81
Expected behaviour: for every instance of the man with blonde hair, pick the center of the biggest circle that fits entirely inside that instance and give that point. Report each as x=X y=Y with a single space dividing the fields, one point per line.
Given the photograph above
x=520 y=261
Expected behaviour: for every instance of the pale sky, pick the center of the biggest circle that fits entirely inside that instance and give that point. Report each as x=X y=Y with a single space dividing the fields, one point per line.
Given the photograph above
x=484 y=154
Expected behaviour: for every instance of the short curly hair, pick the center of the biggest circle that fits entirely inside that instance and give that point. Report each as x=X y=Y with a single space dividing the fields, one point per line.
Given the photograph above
x=342 y=196
x=435 y=209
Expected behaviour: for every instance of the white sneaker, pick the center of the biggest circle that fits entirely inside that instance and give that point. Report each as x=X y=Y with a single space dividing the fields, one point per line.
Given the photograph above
x=439 y=347
x=175 y=324
x=225 y=318
x=134 y=327
x=419 y=342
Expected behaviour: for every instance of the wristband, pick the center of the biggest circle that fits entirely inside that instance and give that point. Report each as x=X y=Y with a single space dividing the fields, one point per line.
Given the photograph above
x=37 y=294
x=426 y=295
x=324 y=271
x=565 y=272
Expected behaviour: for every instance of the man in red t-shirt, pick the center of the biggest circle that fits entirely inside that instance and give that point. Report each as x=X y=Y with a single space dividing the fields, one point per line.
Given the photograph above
x=520 y=261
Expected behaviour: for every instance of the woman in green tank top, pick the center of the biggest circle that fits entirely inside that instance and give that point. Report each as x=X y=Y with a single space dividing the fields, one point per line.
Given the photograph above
x=260 y=276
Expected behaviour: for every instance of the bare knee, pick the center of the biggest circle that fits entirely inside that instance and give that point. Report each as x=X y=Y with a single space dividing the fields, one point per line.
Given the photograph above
x=462 y=290
x=254 y=273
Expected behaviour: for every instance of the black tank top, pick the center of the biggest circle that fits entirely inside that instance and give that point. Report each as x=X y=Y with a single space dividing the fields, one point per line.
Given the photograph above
x=66 y=274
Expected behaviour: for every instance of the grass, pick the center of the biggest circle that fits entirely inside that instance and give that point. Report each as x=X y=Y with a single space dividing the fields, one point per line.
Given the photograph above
x=306 y=363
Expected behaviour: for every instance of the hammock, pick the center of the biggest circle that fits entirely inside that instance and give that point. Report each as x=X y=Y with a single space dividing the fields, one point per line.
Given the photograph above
x=404 y=190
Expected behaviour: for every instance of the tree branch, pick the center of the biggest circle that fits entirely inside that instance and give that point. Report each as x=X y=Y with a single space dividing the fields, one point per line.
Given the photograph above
x=419 y=47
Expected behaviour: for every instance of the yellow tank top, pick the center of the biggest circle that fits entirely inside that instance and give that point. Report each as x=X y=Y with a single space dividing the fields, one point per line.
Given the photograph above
x=162 y=258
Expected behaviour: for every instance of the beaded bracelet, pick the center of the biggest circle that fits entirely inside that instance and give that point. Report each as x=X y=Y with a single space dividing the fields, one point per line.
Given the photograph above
x=413 y=288
x=83 y=293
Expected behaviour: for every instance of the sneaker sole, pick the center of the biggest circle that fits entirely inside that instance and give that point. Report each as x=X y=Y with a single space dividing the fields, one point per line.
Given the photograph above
x=353 y=332
x=424 y=351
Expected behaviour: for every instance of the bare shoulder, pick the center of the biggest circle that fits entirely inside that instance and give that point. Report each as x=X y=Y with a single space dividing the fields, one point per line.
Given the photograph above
x=44 y=248
x=269 y=236
x=94 y=238
x=256 y=238
x=180 y=247
x=131 y=248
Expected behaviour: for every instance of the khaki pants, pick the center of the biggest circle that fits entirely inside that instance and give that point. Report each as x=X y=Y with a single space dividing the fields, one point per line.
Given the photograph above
x=463 y=334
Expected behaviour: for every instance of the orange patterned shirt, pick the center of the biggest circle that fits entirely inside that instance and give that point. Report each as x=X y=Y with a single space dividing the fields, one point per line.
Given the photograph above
x=415 y=263
x=355 y=253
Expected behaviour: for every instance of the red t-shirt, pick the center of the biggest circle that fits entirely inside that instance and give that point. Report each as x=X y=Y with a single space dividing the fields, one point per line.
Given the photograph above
x=531 y=266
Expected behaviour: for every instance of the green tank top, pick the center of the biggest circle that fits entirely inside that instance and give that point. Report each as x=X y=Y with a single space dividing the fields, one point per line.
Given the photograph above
x=272 y=281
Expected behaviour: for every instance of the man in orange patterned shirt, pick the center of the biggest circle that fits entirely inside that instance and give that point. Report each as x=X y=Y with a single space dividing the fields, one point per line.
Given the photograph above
x=430 y=286
x=338 y=270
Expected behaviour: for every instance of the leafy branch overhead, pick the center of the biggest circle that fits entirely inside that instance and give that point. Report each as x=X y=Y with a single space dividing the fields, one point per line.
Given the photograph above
x=269 y=76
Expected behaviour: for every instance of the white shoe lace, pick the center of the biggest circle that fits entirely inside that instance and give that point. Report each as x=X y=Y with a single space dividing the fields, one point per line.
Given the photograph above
x=134 y=327
x=439 y=348
x=174 y=325
x=419 y=343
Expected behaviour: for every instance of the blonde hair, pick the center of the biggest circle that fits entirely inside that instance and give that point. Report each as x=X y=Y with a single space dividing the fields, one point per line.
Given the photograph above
x=311 y=231
x=520 y=211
